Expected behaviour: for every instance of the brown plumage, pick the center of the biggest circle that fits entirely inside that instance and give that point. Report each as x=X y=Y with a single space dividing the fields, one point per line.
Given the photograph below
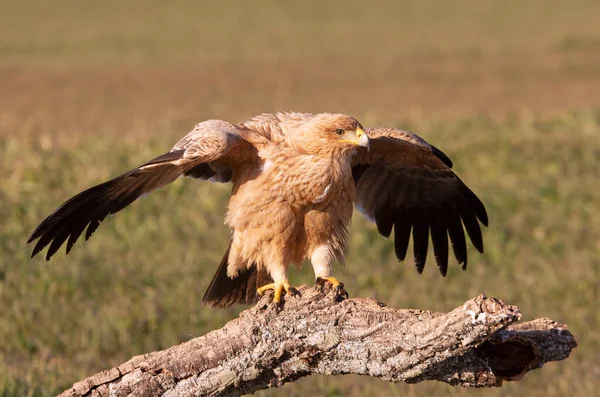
x=295 y=178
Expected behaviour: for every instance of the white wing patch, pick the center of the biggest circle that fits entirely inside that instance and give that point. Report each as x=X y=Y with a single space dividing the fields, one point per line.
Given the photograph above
x=320 y=198
x=266 y=165
x=177 y=162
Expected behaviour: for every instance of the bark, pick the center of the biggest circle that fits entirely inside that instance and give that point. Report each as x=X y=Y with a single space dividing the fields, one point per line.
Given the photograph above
x=478 y=344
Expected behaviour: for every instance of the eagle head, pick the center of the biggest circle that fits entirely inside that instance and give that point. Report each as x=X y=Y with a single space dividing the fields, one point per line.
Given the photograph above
x=331 y=134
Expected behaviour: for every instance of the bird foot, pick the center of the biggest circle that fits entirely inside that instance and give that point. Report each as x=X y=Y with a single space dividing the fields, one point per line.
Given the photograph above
x=338 y=286
x=279 y=287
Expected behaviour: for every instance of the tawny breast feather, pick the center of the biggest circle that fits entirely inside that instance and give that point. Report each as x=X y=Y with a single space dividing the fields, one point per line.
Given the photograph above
x=282 y=212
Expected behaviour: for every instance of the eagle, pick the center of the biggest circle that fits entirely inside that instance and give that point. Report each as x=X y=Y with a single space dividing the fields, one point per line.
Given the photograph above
x=295 y=180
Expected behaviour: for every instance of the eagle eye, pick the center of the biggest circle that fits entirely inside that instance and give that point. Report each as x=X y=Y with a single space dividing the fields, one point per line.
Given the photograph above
x=340 y=131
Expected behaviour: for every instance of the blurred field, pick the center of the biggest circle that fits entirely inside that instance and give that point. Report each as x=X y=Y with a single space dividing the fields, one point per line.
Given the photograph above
x=510 y=90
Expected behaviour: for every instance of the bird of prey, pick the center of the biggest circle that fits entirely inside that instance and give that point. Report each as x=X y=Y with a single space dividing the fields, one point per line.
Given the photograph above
x=295 y=178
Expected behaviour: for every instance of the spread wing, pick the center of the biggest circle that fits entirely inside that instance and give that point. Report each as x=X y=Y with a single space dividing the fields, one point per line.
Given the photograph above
x=405 y=184
x=212 y=150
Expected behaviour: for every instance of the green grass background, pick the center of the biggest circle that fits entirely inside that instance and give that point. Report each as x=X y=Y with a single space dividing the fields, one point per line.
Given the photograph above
x=509 y=90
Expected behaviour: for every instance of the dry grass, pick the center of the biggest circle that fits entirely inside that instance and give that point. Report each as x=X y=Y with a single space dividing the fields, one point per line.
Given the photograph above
x=510 y=93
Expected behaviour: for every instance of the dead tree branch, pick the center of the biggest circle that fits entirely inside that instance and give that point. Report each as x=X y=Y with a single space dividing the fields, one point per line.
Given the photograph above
x=477 y=344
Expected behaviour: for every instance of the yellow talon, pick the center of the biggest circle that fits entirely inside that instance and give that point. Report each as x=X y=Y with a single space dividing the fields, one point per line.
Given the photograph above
x=279 y=287
x=331 y=280
x=341 y=293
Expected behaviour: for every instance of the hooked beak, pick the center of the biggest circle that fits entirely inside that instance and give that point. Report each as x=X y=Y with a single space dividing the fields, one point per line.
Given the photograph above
x=359 y=138
x=363 y=139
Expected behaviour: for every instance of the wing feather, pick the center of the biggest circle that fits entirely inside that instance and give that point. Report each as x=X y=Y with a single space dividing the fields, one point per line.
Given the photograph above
x=420 y=238
x=207 y=151
x=470 y=221
x=402 y=227
x=407 y=186
x=439 y=239
x=383 y=215
x=77 y=228
x=456 y=234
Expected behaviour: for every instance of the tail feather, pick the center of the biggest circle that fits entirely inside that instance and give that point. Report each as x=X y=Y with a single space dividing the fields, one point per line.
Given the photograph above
x=224 y=291
x=90 y=207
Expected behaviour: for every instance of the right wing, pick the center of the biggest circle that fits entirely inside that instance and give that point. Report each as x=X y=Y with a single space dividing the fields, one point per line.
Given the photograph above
x=404 y=183
x=210 y=150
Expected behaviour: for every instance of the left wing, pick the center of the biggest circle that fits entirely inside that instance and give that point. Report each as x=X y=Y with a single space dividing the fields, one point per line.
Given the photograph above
x=211 y=150
x=403 y=183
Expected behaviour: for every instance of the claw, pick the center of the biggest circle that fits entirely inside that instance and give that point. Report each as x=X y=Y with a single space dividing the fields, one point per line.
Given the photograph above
x=331 y=280
x=279 y=287
x=335 y=283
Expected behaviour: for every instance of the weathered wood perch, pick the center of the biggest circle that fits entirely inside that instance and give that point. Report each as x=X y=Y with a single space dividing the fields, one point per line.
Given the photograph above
x=473 y=345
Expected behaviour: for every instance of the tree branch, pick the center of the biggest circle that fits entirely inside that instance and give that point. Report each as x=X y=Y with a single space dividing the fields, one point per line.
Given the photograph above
x=477 y=344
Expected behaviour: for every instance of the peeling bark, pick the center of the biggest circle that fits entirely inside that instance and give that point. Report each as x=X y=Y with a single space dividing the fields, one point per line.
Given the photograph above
x=478 y=344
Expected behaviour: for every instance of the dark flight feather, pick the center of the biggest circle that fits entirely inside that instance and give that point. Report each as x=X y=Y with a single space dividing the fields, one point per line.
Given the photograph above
x=456 y=234
x=420 y=227
x=439 y=239
x=413 y=191
x=90 y=207
x=442 y=156
x=224 y=291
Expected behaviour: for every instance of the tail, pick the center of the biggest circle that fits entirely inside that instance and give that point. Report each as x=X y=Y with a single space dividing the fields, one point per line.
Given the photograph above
x=89 y=208
x=224 y=291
